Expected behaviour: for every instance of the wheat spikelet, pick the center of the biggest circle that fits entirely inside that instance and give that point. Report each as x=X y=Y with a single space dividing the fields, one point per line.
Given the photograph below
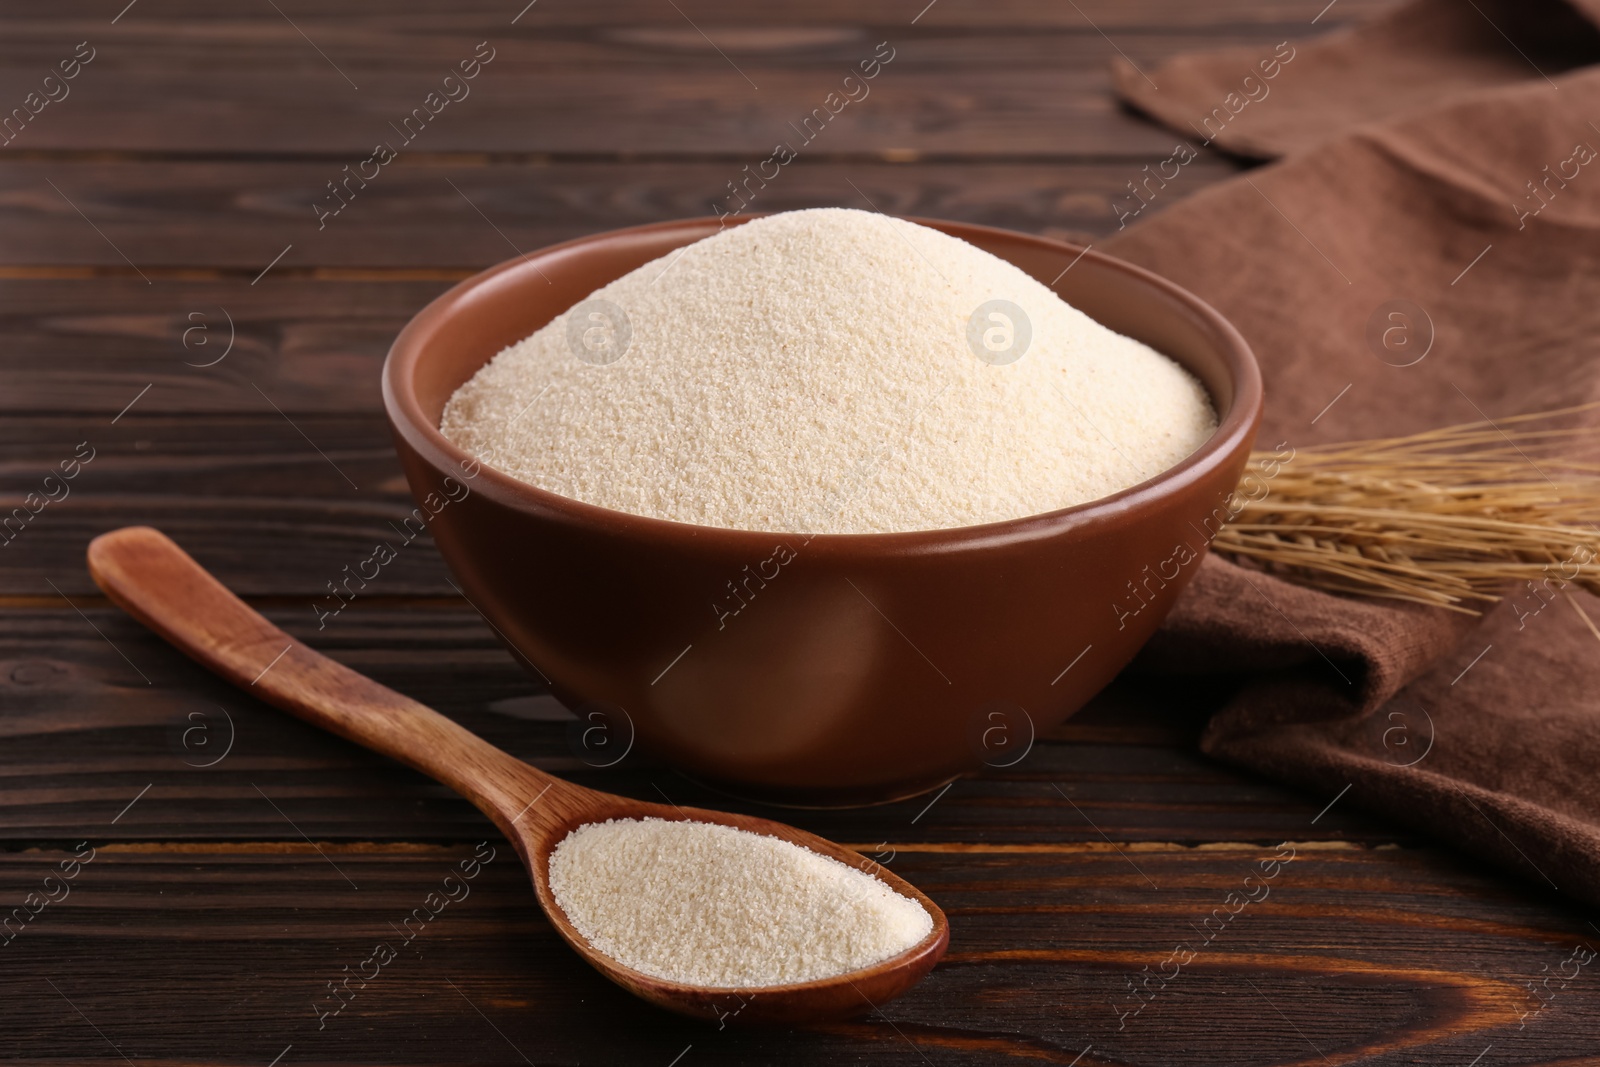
x=1456 y=517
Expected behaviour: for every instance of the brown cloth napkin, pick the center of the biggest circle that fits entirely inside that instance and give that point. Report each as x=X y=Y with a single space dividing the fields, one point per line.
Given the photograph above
x=1416 y=56
x=1453 y=181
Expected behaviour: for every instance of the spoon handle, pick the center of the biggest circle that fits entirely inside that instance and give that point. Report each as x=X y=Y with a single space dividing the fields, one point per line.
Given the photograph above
x=156 y=582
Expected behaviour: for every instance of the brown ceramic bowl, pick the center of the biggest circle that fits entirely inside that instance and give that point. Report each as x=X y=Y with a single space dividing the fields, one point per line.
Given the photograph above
x=869 y=666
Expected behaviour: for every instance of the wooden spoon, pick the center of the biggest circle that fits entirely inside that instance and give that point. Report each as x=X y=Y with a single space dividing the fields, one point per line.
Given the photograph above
x=156 y=582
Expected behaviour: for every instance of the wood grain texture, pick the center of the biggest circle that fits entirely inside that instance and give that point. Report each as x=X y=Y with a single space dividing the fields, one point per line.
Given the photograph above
x=84 y=734
x=659 y=81
x=1354 y=955
x=1033 y=93
x=422 y=16
x=467 y=212
x=192 y=141
x=91 y=345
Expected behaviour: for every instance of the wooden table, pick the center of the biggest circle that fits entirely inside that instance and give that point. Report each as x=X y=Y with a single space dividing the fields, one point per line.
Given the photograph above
x=172 y=305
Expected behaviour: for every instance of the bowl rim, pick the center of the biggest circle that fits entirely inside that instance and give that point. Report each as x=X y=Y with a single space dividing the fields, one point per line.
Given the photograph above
x=1235 y=428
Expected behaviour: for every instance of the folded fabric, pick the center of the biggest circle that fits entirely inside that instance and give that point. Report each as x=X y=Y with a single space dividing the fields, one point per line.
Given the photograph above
x=1417 y=55
x=1454 y=197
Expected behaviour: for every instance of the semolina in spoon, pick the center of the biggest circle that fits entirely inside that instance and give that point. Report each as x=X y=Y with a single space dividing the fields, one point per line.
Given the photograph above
x=156 y=582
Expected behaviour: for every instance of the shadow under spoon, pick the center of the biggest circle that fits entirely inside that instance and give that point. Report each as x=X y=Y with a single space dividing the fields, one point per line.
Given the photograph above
x=146 y=574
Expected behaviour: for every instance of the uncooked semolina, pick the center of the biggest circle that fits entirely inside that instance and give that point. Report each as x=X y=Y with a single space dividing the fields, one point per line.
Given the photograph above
x=711 y=905
x=829 y=371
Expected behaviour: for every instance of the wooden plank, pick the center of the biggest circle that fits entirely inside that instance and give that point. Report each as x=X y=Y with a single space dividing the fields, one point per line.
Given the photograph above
x=309 y=344
x=93 y=343
x=422 y=17
x=451 y=212
x=278 y=505
x=1383 y=956
x=92 y=346
x=198 y=456
x=97 y=709
x=256 y=86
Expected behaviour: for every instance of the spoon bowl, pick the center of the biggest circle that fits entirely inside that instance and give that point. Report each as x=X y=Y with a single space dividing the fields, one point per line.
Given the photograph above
x=146 y=574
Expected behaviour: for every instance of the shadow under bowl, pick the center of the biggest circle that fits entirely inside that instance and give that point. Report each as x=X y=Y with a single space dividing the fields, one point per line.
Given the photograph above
x=862 y=667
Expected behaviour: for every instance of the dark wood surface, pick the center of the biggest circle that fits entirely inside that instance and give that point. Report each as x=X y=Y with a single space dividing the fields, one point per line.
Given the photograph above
x=221 y=899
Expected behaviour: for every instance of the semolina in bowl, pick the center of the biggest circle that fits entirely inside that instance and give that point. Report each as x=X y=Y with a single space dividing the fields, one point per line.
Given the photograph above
x=816 y=668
